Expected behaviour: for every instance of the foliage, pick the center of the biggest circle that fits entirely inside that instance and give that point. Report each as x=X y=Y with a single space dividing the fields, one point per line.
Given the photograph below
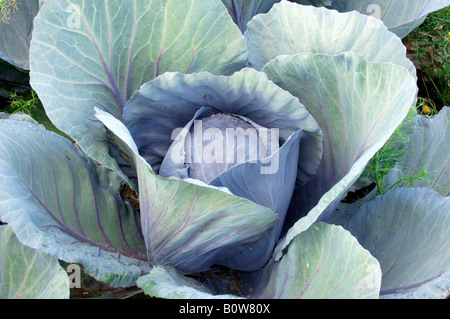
x=429 y=48
x=132 y=83
x=24 y=105
x=7 y=8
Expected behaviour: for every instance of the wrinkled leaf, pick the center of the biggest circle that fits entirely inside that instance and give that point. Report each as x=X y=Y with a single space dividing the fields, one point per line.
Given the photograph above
x=323 y=262
x=395 y=14
x=290 y=29
x=58 y=201
x=408 y=232
x=353 y=102
x=26 y=273
x=97 y=54
x=188 y=224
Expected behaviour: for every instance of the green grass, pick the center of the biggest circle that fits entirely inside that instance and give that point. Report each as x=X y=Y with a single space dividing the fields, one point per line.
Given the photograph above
x=429 y=49
x=392 y=153
x=30 y=104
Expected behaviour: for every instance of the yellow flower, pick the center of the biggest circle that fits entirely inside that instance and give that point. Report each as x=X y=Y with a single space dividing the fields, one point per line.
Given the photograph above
x=426 y=110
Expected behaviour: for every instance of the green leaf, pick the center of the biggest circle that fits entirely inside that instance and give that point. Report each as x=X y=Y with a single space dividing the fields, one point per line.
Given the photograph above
x=187 y=224
x=323 y=262
x=168 y=283
x=60 y=202
x=98 y=54
x=352 y=100
x=290 y=29
x=408 y=232
x=26 y=273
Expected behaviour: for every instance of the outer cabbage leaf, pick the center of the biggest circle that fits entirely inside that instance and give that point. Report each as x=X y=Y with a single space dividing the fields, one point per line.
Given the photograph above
x=290 y=29
x=58 y=201
x=400 y=16
x=168 y=283
x=405 y=29
x=407 y=230
x=98 y=53
x=428 y=151
x=26 y=273
x=242 y=11
x=323 y=262
x=352 y=100
x=187 y=224
x=15 y=35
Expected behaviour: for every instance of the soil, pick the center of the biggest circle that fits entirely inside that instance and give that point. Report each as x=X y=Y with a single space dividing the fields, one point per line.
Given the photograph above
x=131 y=196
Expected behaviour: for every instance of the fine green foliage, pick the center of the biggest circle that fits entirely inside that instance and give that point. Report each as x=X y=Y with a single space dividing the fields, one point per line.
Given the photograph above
x=28 y=103
x=24 y=104
x=391 y=154
x=429 y=47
